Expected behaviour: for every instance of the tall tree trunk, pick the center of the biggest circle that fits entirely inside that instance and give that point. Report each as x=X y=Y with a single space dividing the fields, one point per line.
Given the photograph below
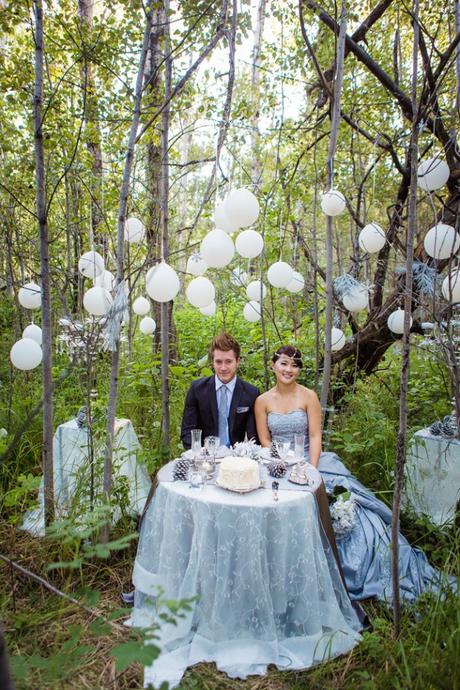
x=47 y=454
x=255 y=90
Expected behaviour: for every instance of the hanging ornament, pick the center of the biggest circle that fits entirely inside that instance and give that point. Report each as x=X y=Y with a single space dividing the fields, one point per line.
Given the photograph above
x=34 y=332
x=30 y=296
x=432 y=174
x=106 y=280
x=337 y=339
x=249 y=244
x=200 y=292
x=242 y=207
x=254 y=289
x=333 y=202
x=451 y=286
x=222 y=220
x=162 y=282
x=297 y=283
x=210 y=310
x=195 y=265
x=91 y=265
x=217 y=249
x=356 y=300
x=395 y=321
x=371 y=238
x=97 y=301
x=280 y=274
x=441 y=241
x=251 y=311
x=134 y=230
x=26 y=354
x=147 y=325
x=141 y=306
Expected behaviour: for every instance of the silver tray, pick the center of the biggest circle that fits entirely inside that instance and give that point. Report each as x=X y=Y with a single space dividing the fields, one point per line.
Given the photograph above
x=241 y=491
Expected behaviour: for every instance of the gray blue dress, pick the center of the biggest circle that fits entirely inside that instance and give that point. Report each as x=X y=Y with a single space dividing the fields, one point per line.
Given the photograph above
x=365 y=551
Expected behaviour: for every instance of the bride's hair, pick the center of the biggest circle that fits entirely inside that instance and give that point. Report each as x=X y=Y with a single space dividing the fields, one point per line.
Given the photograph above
x=289 y=351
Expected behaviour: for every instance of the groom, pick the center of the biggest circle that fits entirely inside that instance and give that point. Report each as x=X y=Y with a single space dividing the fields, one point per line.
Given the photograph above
x=223 y=404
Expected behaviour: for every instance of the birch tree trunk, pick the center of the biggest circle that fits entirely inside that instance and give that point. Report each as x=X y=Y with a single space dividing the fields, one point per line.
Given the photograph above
x=255 y=90
x=47 y=454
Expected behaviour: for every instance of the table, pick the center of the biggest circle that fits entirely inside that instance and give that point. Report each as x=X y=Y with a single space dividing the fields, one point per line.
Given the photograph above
x=267 y=583
x=432 y=476
x=71 y=473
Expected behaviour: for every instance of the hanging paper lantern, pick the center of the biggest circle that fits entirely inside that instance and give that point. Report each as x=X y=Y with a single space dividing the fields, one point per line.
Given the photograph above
x=30 y=296
x=134 y=230
x=195 y=265
x=141 y=306
x=451 y=286
x=91 y=265
x=371 y=238
x=333 y=202
x=251 y=311
x=222 y=220
x=239 y=277
x=356 y=300
x=395 y=321
x=253 y=290
x=337 y=339
x=242 y=207
x=26 y=354
x=432 y=174
x=210 y=310
x=217 y=249
x=249 y=244
x=105 y=280
x=162 y=282
x=34 y=332
x=280 y=274
x=97 y=301
x=297 y=283
x=147 y=325
x=441 y=241
x=200 y=292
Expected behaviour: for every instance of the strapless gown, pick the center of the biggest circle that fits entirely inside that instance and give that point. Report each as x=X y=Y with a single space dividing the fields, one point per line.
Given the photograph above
x=365 y=551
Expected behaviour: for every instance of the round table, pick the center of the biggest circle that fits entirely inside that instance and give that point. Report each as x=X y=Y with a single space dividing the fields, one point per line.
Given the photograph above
x=265 y=582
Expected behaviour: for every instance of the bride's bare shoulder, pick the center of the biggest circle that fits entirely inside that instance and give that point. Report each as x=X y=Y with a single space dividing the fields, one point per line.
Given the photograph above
x=264 y=398
x=308 y=393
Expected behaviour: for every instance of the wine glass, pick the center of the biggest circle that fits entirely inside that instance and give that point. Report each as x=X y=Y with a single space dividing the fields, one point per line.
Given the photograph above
x=283 y=447
x=196 y=441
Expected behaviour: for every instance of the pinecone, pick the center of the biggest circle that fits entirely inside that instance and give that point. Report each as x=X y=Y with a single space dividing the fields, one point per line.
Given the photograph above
x=277 y=469
x=436 y=428
x=180 y=471
x=274 y=451
x=448 y=426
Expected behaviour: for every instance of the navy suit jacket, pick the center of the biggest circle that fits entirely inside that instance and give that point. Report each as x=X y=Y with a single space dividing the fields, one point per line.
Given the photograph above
x=200 y=411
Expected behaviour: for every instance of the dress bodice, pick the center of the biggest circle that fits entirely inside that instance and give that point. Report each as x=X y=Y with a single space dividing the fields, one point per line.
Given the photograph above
x=285 y=425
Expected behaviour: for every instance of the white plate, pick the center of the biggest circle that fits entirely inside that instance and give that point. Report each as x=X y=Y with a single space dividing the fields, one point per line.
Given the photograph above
x=240 y=491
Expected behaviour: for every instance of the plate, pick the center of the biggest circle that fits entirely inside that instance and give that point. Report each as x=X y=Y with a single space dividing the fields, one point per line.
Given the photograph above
x=240 y=491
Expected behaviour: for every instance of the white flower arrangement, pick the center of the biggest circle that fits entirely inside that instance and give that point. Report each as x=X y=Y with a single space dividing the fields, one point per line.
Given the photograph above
x=343 y=515
x=247 y=449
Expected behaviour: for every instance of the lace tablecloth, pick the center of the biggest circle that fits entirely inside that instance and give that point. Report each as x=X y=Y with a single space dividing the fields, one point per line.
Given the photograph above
x=266 y=583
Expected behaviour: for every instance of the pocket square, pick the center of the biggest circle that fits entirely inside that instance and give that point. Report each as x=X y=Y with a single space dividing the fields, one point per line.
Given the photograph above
x=242 y=409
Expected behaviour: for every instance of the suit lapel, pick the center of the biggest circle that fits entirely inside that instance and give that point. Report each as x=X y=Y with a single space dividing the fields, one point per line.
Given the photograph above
x=213 y=401
x=234 y=404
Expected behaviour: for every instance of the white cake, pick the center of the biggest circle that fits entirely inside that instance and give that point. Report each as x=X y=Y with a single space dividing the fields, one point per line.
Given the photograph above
x=239 y=474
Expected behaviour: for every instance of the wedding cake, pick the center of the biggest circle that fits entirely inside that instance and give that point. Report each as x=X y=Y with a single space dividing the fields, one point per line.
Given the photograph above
x=239 y=474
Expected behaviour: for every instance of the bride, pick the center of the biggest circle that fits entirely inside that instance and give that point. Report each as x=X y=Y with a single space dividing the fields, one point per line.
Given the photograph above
x=365 y=551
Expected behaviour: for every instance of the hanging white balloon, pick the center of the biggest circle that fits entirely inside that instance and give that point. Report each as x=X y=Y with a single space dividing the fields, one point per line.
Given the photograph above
x=195 y=265
x=105 y=280
x=217 y=249
x=297 y=283
x=222 y=220
x=147 y=325
x=249 y=244
x=210 y=310
x=337 y=339
x=333 y=202
x=97 y=301
x=91 y=265
x=280 y=274
x=451 y=286
x=395 y=321
x=432 y=174
x=134 y=230
x=253 y=290
x=162 y=282
x=200 y=292
x=242 y=207
x=141 y=306
x=371 y=238
x=26 y=354
x=30 y=296
x=251 y=311
x=33 y=331
x=356 y=300
x=441 y=241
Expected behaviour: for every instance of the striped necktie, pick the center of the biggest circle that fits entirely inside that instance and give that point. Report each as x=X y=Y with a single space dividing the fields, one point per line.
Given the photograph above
x=222 y=405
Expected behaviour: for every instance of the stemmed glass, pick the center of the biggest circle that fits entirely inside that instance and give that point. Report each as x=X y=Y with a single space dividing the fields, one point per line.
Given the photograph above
x=211 y=443
x=196 y=474
x=300 y=470
x=283 y=447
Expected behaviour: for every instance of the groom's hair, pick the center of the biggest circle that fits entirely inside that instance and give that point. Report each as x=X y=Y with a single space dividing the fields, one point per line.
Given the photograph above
x=225 y=342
